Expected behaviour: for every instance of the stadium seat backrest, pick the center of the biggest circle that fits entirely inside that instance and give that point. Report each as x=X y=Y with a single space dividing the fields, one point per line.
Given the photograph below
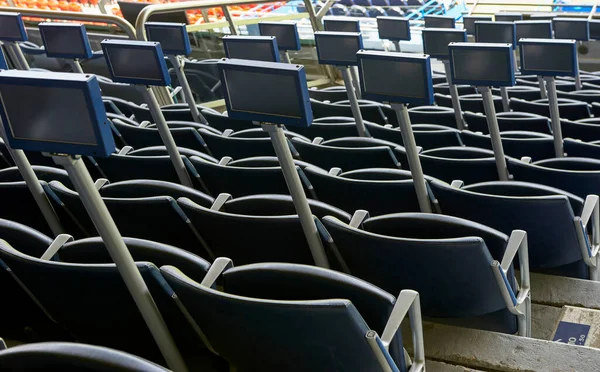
x=19 y=205
x=470 y=164
x=508 y=121
x=517 y=144
x=432 y=115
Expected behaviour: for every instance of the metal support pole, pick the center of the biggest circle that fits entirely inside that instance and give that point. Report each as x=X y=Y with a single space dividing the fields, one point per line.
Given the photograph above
x=285 y=56
x=33 y=184
x=76 y=66
x=460 y=123
x=187 y=91
x=12 y=56
x=414 y=163
x=543 y=93
x=120 y=255
x=554 y=116
x=516 y=59
x=578 y=85
x=294 y=185
x=505 y=99
x=360 y=126
x=19 y=56
x=229 y=19
x=355 y=81
x=397 y=45
x=166 y=136
x=492 y=121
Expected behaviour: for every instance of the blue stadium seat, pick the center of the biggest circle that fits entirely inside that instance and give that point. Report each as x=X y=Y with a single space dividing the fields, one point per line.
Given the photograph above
x=370 y=111
x=328 y=94
x=443 y=88
x=427 y=136
x=222 y=122
x=432 y=115
x=330 y=129
x=587 y=130
x=468 y=164
x=468 y=102
x=586 y=95
x=43 y=173
x=517 y=144
x=509 y=121
x=148 y=188
x=523 y=92
x=19 y=205
x=568 y=108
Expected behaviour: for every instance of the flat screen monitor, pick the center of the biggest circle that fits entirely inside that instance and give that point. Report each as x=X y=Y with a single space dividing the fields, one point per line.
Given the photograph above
x=439 y=22
x=341 y=24
x=436 y=40
x=395 y=77
x=545 y=57
x=469 y=22
x=393 y=28
x=256 y=48
x=131 y=10
x=495 y=32
x=173 y=37
x=54 y=112
x=571 y=28
x=12 y=27
x=481 y=64
x=266 y=92
x=508 y=17
x=533 y=29
x=123 y=61
x=65 y=40
x=286 y=34
x=338 y=48
x=594 y=29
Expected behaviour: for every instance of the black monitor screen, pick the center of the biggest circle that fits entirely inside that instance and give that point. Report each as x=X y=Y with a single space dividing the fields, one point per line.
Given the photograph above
x=439 y=22
x=60 y=40
x=170 y=38
x=575 y=29
x=534 y=30
x=481 y=65
x=508 y=17
x=131 y=11
x=255 y=50
x=262 y=93
x=341 y=25
x=393 y=28
x=594 y=29
x=469 y=22
x=495 y=32
x=50 y=103
x=10 y=28
x=551 y=57
x=286 y=34
x=126 y=64
x=394 y=78
x=435 y=42
x=341 y=50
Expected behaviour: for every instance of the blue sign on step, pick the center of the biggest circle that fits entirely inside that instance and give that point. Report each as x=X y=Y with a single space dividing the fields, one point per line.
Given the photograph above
x=571 y=333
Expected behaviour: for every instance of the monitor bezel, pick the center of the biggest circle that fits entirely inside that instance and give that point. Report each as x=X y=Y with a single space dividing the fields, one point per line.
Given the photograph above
x=253 y=39
x=574 y=59
x=403 y=20
x=510 y=64
x=441 y=30
x=272 y=68
x=541 y=21
x=334 y=19
x=83 y=39
x=290 y=25
x=475 y=19
x=507 y=24
x=425 y=62
x=338 y=35
x=20 y=24
x=597 y=22
x=439 y=17
x=187 y=46
x=573 y=20
x=90 y=87
x=134 y=44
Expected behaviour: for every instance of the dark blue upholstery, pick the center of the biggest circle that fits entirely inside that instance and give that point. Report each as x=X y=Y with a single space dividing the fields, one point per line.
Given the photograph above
x=43 y=173
x=468 y=102
x=468 y=164
x=369 y=111
x=330 y=130
x=146 y=188
x=522 y=92
x=517 y=144
x=427 y=136
x=127 y=167
x=71 y=357
x=576 y=148
x=162 y=151
x=546 y=213
x=288 y=330
x=448 y=259
x=509 y=121
x=432 y=115
x=19 y=205
x=222 y=122
x=237 y=147
x=588 y=95
x=586 y=129
x=443 y=88
x=568 y=108
x=378 y=197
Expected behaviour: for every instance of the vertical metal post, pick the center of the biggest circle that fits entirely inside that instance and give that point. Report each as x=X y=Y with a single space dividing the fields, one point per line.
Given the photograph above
x=492 y=121
x=542 y=85
x=187 y=91
x=294 y=185
x=397 y=45
x=355 y=81
x=554 y=116
x=505 y=99
x=229 y=19
x=119 y=253
x=414 y=162
x=360 y=126
x=76 y=66
x=578 y=85
x=285 y=56
x=165 y=135
x=460 y=124
x=17 y=53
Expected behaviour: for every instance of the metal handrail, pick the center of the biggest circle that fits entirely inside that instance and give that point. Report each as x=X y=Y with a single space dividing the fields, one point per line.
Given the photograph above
x=75 y=16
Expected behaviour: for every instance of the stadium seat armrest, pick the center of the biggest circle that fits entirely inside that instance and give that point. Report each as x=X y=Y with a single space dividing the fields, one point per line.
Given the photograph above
x=519 y=303
x=457 y=184
x=358 y=218
x=589 y=250
x=216 y=269
x=2 y=344
x=220 y=201
x=407 y=303
x=55 y=246
x=125 y=150
x=100 y=182
x=176 y=91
